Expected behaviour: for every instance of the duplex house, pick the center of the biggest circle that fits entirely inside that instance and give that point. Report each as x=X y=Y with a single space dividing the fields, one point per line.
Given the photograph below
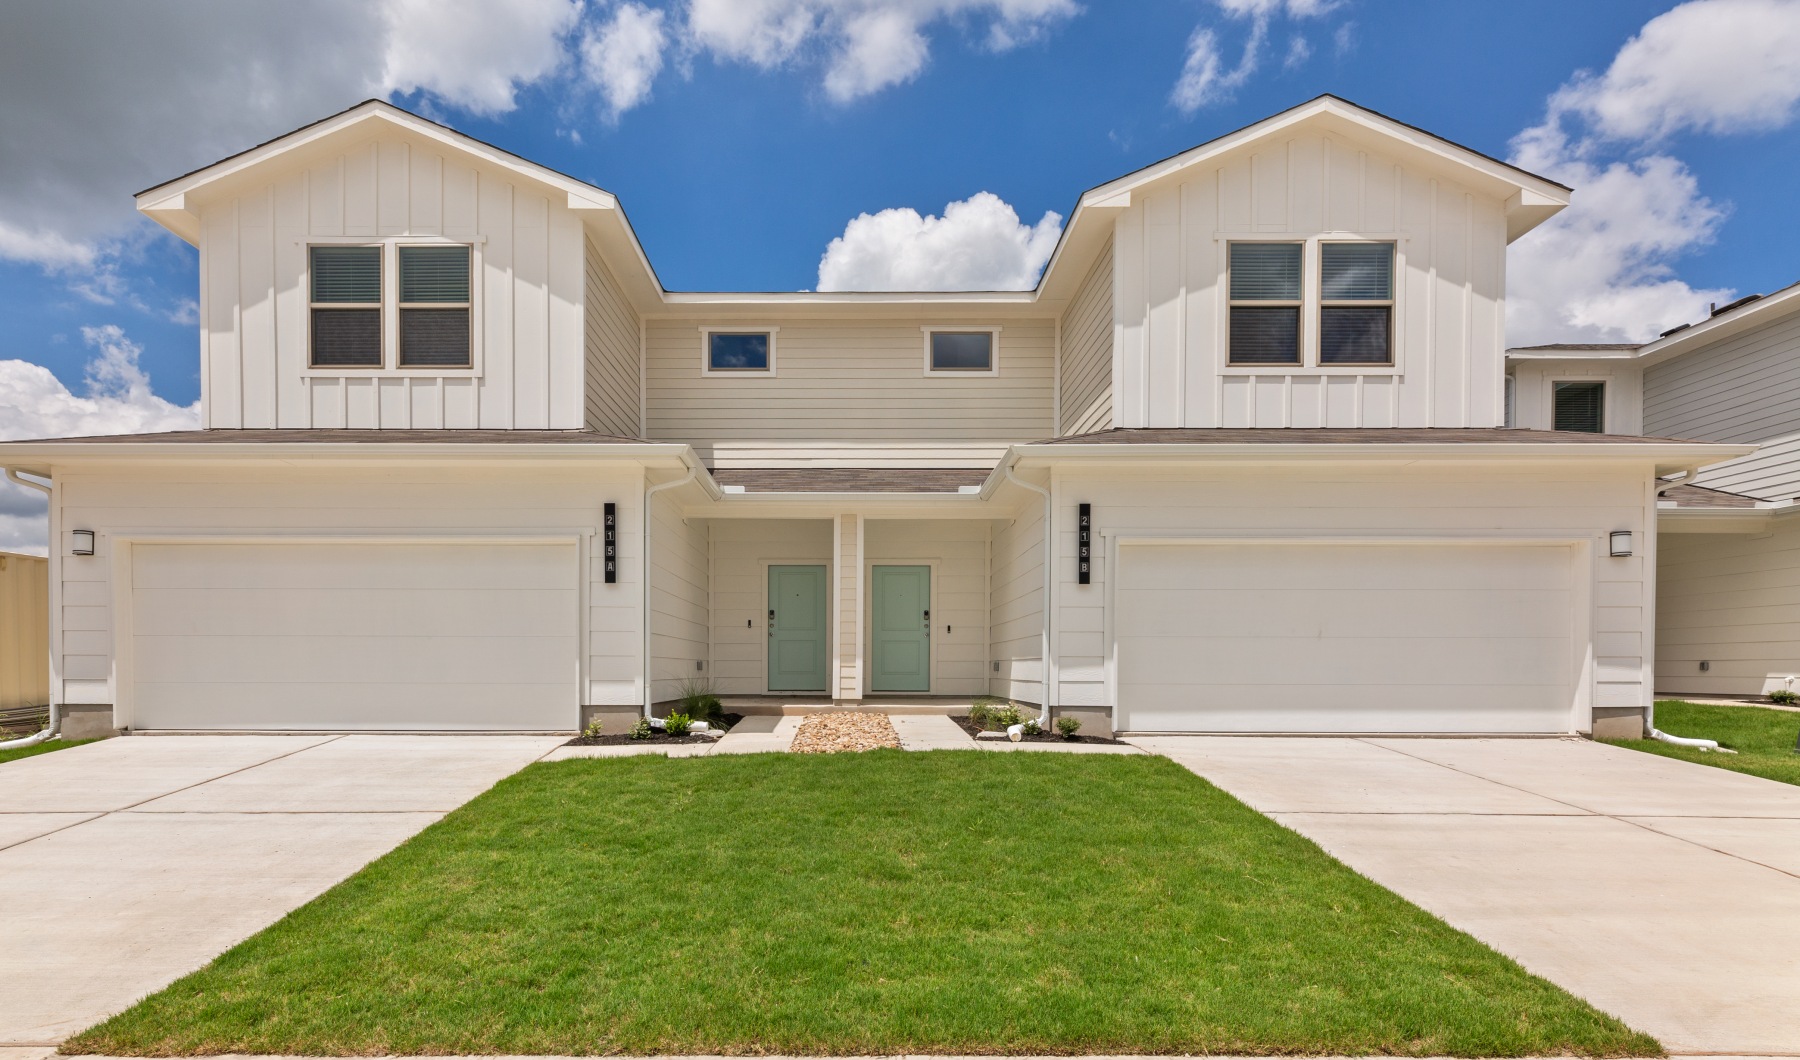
x=1237 y=463
x=1728 y=566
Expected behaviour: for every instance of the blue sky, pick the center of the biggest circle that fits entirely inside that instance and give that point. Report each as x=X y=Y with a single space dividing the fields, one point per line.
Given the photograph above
x=738 y=171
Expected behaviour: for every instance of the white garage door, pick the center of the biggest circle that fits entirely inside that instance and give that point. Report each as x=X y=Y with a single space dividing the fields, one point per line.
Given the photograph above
x=1346 y=638
x=354 y=636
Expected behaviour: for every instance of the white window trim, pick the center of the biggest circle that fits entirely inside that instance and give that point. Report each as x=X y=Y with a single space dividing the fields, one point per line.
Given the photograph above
x=993 y=331
x=390 y=308
x=1311 y=268
x=1606 y=396
x=1308 y=298
x=400 y=308
x=1320 y=302
x=706 y=334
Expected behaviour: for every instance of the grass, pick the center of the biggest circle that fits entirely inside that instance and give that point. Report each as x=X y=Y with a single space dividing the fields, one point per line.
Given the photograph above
x=9 y=753
x=1763 y=738
x=889 y=902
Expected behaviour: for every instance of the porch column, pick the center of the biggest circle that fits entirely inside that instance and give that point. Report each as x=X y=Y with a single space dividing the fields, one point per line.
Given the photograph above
x=847 y=609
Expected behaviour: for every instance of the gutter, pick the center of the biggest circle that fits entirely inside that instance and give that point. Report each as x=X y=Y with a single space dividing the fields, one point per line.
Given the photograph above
x=55 y=722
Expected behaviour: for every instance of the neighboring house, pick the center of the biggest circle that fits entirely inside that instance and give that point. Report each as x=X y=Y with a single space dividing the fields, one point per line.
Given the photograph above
x=24 y=644
x=1728 y=568
x=1237 y=463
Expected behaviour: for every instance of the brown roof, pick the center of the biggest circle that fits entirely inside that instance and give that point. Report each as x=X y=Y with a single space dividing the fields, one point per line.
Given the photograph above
x=1706 y=497
x=850 y=479
x=1345 y=436
x=1584 y=346
x=353 y=436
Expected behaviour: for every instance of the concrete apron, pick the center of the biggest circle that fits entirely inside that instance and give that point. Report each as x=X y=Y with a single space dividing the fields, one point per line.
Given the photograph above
x=129 y=863
x=1664 y=892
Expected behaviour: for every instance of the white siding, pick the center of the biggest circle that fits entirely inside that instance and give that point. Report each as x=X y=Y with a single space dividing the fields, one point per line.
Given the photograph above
x=528 y=289
x=1016 y=604
x=1534 y=385
x=1364 y=500
x=742 y=550
x=1740 y=389
x=679 y=597
x=1170 y=306
x=342 y=500
x=1087 y=353
x=1732 y=600
x=613 y=369
x=956 y=551
x=847 y=606
x=850 y=385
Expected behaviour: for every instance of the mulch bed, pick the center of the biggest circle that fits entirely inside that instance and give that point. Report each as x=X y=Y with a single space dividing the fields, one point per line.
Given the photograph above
x=974 y=730
x=618 y=739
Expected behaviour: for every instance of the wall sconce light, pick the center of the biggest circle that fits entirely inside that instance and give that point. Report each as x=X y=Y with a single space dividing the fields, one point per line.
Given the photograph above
x=1621 y=543
x=81 y=542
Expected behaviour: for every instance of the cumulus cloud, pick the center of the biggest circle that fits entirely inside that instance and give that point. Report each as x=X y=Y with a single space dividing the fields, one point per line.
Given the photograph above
x=1603 y=270
x=979 y=244
x=473 y=54
x=1208 y=77
x=622 y=56
x=35 y=404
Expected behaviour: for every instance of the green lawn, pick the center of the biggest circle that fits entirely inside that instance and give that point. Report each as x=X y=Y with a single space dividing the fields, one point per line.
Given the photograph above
x=9 y=753
x=1763 y=738
x=889 y=902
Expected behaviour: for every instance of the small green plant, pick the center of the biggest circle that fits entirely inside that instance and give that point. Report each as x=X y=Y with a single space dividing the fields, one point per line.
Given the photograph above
x=981 y=715
x=1008 y=716
x=1787 y=697
x=677 y=724
x=1030 y=727
x=593 y=728
x=698 y=701
x=1068 y=726
x=642 y=729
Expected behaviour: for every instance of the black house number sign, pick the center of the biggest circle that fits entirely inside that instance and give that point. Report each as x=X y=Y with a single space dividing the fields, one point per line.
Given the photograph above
x=1084 y=544
x=610 y=543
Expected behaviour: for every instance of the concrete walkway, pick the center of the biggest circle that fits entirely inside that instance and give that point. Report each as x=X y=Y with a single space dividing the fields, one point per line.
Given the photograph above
x=128 y=863
x=1664 y=892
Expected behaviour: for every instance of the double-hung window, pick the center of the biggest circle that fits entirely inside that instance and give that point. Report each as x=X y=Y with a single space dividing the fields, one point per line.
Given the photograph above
x=346 y=307
x=1356 y=303
x=1265 y=303
x=434 y=307
x=1320 y=303
x=352 y=297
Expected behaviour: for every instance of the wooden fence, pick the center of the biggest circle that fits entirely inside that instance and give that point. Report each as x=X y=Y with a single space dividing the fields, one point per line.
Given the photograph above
x=24 y=636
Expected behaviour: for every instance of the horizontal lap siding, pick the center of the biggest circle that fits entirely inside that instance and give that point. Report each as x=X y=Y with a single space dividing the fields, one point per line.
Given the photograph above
x=679 y=597
x=957 y=550
x=1016 y=605
x=613 y=375
x=1740 y=389
x=741 y=552
x=1733 y=601
x=1087 y=353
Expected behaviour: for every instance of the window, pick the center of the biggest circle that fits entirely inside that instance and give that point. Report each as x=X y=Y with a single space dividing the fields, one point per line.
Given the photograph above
x=1579 y=406
x=1356 y=303
x=434 y=307
x=739 y=351
x=346 y=307
x=964 y=351
x=1265 y=303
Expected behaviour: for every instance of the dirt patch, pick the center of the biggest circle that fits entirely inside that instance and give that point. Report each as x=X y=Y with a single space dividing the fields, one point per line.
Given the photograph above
x=975 y=730
x=845 y=731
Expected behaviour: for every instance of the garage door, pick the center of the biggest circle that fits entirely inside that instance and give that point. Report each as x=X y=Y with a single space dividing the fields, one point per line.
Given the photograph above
x=354 y=636
x=1346 y=638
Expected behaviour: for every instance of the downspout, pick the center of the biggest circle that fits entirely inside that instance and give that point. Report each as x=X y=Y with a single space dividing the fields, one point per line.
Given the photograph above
x=55 y=714
x=650 y=492
x=1049 y=572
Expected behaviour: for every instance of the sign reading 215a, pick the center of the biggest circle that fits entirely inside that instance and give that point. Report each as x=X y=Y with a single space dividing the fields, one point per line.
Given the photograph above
x=610 y=543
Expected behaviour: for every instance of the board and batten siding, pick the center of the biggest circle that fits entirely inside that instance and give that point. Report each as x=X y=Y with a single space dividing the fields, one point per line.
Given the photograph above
x=341 y=501
x=1087 y=353
x=1534 y=388
x=1170 y=298
x=1348 y=500
x=1733 y=602
x=742 y=550
x=956 y=551
x=680 y=597
x=614 y=371
x=1016 y=605
x=528 y=291
x=844 y=392
x=1745 y=388
x=24 y=631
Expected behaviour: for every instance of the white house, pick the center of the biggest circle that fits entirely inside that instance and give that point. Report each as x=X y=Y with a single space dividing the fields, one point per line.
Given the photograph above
x=1237 y=463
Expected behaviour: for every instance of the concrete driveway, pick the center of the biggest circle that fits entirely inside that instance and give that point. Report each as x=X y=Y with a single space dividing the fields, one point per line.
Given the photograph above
x=1663 y=892
x=129 y=863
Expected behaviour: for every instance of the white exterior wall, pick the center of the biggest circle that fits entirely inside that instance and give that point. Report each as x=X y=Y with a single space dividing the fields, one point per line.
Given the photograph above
x=343 y=500
x=1358 y=501
x=1740 y=389
x=527 y=327
x=1732 y=600
x=742 y=550
x=1016 y=604
x=1534 y=384
x=614 y=365
x=1170 y=302
x=680 y=597
x=956 y=551
x=1085 y=388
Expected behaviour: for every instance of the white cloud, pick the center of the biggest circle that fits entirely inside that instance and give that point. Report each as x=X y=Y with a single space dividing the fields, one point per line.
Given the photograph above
x=35 y=404
x=622 y=56
x=473 y=54
x=1205 y=78
x=979 y=244
x=865 y=45
x=1299 y=50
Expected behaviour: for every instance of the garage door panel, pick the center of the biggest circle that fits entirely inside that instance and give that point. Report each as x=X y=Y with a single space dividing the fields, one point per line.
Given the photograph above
x=1259 y=708
x=384 y=660
x=1375 y=661
x=1308 y=567
x=314 y=706
x=358 y=612
x=353 y=565
x=1338 y=612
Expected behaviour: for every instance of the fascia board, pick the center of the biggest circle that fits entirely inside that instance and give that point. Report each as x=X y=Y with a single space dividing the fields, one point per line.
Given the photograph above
x=1668 y=457
x=1762 y=311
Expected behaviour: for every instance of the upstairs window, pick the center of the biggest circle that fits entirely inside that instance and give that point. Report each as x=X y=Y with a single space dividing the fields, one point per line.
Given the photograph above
x=1356 y=303
x=738 y=351
x=434 y=307
x=967 y=351
x=1579 y=406
x=346 y=307
x=1265 y=303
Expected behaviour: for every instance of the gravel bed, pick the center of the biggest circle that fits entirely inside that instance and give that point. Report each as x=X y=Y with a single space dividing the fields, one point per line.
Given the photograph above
x=845 y=731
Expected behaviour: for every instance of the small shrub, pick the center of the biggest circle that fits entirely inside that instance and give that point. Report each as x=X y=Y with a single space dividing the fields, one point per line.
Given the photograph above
x=1031 y=727
x=1008 y=716
x=982 y=715
x=642 y=729
x=1068 y=726
x=1787 y=697
x=677 y=724
x=593 y=728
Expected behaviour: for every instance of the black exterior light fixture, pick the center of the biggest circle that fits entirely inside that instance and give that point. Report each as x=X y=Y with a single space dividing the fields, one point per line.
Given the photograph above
x=1621 y=544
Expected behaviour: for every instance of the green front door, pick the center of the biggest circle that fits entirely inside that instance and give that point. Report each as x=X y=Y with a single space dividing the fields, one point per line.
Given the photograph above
x=901 y=630
x=797 y=628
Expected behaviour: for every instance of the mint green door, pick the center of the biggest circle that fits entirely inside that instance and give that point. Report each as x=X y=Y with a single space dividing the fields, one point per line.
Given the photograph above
x=797 y=628
x=900 y=632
